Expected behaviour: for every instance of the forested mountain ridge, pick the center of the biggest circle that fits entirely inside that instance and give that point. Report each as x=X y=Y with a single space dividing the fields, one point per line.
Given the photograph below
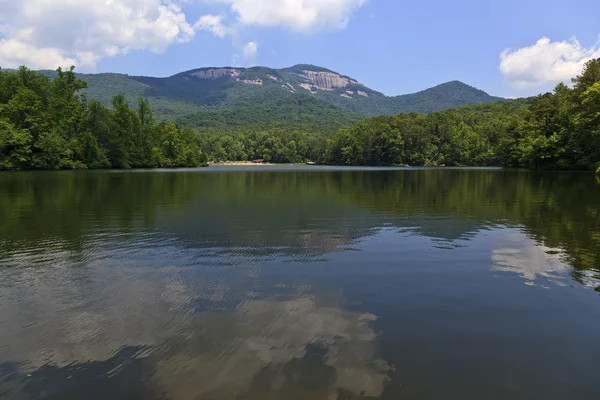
x=227 y=87
x=51 y=124
x=289 y=109
x=558 y=130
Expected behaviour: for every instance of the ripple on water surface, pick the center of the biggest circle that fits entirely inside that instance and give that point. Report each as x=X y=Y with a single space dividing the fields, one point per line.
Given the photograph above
x=298 y=283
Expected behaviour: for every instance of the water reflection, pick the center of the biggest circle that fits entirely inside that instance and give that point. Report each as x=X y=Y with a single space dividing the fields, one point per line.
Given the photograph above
x=518 y=253
x=297 y=209
x=120 y=377
x=305 y=283
x=312 y=211
x=296 y=347
x=74 y=326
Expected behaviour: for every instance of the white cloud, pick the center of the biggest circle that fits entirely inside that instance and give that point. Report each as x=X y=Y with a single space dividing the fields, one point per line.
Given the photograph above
x=249 y=51
x=299 y=15
x=14 y=53
x=212 y=24
x=545 y=62
x=50 y=33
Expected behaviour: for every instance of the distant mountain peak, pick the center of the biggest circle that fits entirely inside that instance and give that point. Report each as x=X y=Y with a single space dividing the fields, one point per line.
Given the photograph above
x=308 y=67
x=218 y=87
x=300 y=77
x=454 y=87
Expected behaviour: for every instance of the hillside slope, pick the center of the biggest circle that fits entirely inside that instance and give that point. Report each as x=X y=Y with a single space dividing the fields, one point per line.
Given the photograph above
x=288 y=109
x=227 y=87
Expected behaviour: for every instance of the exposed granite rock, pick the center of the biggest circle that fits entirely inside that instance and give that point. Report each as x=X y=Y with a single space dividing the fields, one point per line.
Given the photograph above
x=308 y=87
x=325 y=80
x=289 y=86
x=312 y=81
x=251 y=82
x=217 y=73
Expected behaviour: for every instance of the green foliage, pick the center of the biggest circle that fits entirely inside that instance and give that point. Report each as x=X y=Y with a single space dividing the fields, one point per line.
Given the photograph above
x=474 y=135
x=299 y=68
x=278 y=143
x=45 y=124
x=15 y=146
x=559 y=130
x=294 y=109
x=48 y=124
x=186 y=93
x=445 y=96
x=103 y=87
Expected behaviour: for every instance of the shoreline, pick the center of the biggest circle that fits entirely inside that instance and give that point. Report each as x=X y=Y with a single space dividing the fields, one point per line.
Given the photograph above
x=248 y=163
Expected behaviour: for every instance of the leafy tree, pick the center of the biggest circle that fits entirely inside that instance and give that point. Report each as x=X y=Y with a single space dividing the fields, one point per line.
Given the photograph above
x=15 y=146
x=48 y=125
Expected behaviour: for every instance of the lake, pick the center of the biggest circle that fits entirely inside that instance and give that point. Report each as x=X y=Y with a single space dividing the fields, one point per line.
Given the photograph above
x=299 y=283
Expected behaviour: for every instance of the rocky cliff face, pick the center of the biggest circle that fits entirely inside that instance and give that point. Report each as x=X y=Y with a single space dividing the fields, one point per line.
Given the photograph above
x=312 y=81
x=216 y=73
x=232 y=86
x=324 y=80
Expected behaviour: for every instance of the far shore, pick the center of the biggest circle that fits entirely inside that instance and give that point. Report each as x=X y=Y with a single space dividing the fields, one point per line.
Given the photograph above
x=246 y=163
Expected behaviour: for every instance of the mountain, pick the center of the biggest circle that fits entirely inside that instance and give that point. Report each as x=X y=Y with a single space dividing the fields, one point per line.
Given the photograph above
x=228 y=87
x=291 y=109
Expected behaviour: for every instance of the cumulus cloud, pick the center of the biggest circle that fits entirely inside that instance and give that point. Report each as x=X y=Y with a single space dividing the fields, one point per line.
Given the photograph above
x=14 y=53
x=212 y=24
x=47 y=33
x=546 y=62
x=299 y=15
x=249 y=51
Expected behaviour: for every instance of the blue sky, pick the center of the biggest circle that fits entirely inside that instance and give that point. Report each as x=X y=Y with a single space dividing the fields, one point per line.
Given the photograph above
x=395 y=47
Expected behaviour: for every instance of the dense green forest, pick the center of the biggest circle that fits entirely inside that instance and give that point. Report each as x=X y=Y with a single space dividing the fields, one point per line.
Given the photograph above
x=184 y=94
x=277 y=143
x=441 y=97
x=559 y=130
x=48 y=124
x=291 y=109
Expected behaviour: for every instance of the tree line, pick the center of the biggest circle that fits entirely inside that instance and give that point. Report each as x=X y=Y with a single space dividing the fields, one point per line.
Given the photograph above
x=559 y=130
x=46 y=124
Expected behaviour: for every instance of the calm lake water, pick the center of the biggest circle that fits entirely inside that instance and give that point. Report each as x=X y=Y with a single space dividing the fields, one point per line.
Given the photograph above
x=299 y=283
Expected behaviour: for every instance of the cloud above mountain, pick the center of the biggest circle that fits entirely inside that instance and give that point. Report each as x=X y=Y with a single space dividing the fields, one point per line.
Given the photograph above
x=213 y=24
x=545 y=63
x=48 y=33
x=249 y=51
x=298 y=15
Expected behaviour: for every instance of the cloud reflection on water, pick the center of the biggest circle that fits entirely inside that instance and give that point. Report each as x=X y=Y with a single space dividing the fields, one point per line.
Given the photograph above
x=85 y=317
x=518 y=253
